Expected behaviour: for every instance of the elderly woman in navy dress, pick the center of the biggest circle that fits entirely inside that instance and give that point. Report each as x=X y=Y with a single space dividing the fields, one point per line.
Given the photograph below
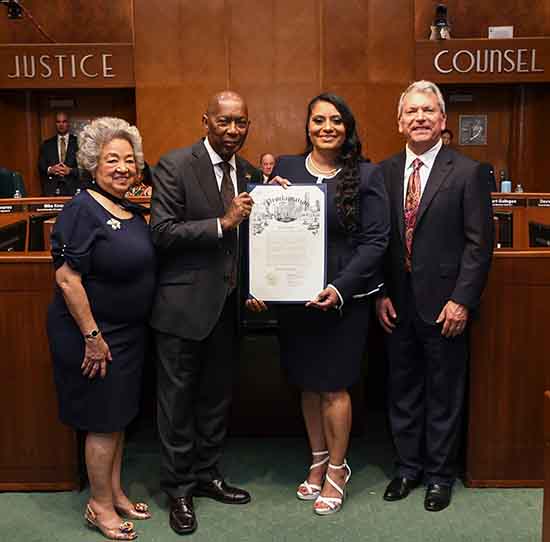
x=105 y=275
x=322 y=343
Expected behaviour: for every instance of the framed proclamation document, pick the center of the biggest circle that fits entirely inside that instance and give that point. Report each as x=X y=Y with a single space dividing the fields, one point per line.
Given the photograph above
x=287 y=242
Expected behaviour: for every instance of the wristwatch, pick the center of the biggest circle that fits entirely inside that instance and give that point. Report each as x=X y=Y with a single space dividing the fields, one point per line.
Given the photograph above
x=93 y=334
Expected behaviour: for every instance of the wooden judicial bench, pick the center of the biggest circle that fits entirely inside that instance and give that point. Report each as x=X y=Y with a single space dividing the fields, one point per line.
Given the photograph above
x=508 y=356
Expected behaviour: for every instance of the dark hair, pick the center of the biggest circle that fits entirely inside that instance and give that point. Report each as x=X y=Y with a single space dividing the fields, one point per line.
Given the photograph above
x=147 y=175
x=347 y=189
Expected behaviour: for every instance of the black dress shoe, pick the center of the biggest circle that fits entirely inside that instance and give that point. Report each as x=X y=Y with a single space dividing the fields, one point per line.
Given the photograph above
x=399 y=488
x=220 y=491
x=438 y=497
x=182 y=515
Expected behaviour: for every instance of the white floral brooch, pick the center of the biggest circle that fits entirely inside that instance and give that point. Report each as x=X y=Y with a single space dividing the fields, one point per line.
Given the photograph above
x=114 y=223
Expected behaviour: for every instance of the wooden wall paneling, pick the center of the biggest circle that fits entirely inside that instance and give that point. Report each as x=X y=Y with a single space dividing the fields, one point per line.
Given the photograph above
x=390 y=38
x=471 y=18
x=275 y=66
x=278 y=54
x=517 y=140
x=390 y=53
x=345 y=46
x=507 y=368
x=497 y=104
x=18 y=150
x=37 y=451
x=534 y=169
x=68 y=21
x=180 y=61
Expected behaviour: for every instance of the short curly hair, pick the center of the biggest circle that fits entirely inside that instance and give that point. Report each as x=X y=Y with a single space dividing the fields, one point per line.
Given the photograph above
x=95 y=135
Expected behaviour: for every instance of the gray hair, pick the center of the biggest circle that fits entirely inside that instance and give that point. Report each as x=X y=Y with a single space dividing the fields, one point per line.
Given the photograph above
x=421 y=86
x=95 y=135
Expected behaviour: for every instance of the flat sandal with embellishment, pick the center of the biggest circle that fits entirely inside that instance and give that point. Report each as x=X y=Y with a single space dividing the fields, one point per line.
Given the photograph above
x=312 y=491
x=125 y=531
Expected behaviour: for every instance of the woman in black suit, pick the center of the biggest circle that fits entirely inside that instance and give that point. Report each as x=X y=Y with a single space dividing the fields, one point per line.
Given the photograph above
x=322 y=343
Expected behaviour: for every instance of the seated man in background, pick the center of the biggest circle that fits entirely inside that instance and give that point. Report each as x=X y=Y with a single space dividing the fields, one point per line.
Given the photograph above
x=267 y=162
x=11 y=184
x=57 y=161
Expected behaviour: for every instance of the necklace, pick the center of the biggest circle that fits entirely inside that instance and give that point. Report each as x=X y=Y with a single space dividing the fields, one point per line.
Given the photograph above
x=316 y=171
x=319 y=169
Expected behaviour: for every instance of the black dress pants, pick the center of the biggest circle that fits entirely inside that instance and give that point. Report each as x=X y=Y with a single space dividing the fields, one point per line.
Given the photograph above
x=195 y=380
x=427 y=379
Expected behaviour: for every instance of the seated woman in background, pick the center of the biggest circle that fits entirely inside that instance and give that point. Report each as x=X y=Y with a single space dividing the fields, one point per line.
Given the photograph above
x=105 y=275
x=322 y=349
x=144 y=183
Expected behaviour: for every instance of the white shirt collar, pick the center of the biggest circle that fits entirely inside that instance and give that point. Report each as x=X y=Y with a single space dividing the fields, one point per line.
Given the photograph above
x=427 y=158
x=215 y=158
x=65 y=137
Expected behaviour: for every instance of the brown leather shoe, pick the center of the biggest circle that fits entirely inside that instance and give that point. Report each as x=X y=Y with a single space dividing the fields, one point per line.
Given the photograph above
x=220 y=491
x=182 y=515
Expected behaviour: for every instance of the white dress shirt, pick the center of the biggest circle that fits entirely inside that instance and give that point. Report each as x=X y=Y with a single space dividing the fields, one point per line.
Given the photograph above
x=427 y=159
x=216 y=160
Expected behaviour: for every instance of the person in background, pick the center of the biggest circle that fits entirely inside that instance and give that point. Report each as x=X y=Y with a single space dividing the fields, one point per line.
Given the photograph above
x=447 y=137
x=323 y=341
x=267 y=162
x=144 y=183
x=57 y=160
x=97 y=322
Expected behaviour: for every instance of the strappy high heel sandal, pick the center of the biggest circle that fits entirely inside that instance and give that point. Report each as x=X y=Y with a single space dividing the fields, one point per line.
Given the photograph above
x=125 y=531
x=307 y=491
x=333 y=504
x=139 y=510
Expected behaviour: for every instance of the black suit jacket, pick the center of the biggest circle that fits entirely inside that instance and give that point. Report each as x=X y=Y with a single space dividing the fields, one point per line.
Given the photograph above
x=49 y=156
x=453 y=237
x=193 y=261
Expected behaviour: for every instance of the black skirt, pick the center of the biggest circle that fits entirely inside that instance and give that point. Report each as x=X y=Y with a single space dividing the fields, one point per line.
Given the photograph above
x=323 y=351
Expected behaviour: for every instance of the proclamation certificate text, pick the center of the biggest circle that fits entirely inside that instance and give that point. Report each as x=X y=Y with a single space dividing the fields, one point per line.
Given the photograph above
x=287 y=242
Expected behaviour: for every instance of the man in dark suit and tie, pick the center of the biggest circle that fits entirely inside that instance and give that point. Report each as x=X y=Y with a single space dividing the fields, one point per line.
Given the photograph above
x=267 y=163
x=435 y=270
x=198 y=205
x=57 y=161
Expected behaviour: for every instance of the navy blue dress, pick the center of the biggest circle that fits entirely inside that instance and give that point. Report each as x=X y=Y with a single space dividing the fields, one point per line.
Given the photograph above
x=323 y=351
x=116 y=260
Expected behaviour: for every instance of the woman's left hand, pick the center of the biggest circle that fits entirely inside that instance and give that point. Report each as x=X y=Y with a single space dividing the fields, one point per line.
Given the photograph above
x=326 y=299
x=96 y=356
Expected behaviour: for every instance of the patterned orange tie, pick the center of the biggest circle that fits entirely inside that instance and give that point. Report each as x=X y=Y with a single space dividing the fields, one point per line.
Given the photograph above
x=412 y=202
